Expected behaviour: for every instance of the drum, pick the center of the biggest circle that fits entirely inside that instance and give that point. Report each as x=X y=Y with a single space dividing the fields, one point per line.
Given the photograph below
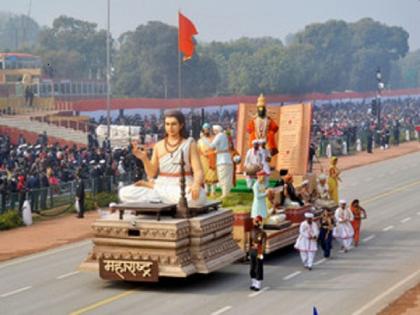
x=252 y=170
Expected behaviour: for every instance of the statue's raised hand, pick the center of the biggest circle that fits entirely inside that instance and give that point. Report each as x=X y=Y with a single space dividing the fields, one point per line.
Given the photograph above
x=139 y=151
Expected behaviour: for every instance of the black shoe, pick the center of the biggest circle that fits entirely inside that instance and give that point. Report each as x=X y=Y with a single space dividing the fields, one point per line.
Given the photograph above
x=309 y=268
x=256 y=289
x=252 y=288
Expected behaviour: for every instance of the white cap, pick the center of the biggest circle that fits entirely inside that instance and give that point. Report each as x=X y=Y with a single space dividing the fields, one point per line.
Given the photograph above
x=343 y=201
x=102 y=161
x=261 y=141
x=255 y=141
x=92 y=162
x=217 y=128
x=309 y=215
x=305 y=182
x=322 y=176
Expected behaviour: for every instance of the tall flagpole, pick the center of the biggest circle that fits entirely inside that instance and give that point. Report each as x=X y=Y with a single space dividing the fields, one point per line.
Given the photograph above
x=179 y=66
x=108 y=72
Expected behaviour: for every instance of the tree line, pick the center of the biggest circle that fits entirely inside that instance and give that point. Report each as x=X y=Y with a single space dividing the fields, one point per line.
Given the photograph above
x=323 y=57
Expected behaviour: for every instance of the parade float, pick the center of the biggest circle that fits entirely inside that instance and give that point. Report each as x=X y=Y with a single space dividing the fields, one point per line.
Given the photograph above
x=143 y=241
x=287 y=130
x=149 y=239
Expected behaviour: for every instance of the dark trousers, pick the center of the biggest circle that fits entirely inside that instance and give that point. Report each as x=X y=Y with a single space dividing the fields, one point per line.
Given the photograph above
x=34 y=198
x=369 y=145
x=22 y=195
x=81 y=208
x=257 y=269
x=43 y=201
x=326 y=238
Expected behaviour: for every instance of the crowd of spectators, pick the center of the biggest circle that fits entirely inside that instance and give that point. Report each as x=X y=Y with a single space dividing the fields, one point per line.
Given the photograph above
x=353 y=126
x=31 y=170
x=34 y=171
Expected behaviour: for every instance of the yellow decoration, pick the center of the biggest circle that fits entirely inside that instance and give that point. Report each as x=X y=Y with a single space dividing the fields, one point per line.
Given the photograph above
x=261 y=101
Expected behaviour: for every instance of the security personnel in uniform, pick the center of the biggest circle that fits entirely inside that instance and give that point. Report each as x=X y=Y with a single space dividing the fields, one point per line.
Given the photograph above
x=257 y=243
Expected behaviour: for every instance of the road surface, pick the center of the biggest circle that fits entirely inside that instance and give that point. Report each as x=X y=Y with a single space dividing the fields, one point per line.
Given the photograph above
x=360 y=282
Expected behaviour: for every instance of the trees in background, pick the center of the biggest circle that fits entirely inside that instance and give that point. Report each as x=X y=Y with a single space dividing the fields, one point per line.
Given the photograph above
x=323 y=57
x=17 y=32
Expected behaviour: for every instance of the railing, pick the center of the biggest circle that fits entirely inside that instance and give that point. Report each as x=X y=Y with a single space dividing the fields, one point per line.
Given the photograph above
x=336 y=143
x=62 y=194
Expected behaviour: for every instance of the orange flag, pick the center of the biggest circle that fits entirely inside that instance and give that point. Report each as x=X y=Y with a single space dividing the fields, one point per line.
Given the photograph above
x=186 y=31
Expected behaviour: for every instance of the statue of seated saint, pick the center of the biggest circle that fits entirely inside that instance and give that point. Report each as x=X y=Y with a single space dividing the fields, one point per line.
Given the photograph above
x=164 y=170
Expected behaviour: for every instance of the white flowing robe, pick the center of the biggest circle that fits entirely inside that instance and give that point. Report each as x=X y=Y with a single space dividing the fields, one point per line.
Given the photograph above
x=167 y=189
x=304 y=243
x=344 y=229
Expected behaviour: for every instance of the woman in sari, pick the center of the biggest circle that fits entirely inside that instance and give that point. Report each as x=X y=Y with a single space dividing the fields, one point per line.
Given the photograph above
x=333 y=179
x=358 y=213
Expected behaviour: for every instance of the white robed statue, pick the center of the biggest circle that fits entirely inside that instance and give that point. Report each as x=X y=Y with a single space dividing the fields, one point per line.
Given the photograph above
x=164 y=170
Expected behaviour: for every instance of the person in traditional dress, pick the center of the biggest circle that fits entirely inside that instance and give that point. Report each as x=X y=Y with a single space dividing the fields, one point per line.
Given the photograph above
x=208 y=160
x=224 y=164
x=327 y=224
x=265 y=159
x=323 y=199
x=236 y=158
x=334 y=179
x=306 y=242
x=253 y=163
x=276 y=194
x=343 y=230
x=291 y=198
x=305 y=193
x=257 y=242
x=259 y=206
x=263 y=127
x=164 y=170
x=358 y=214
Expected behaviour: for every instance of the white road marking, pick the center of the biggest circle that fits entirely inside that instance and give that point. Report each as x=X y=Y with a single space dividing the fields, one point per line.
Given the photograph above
x=319 y=262
x=368 y=238
x=66 y=275
x=222 y=310
x=292 y=275
x=390 y=227
x=15 y=292
x=47 y=253
x=259 y=292
x=405 y=220
x=381 y=296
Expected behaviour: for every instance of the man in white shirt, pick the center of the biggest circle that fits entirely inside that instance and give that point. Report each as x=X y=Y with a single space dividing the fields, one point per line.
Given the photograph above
x=253 y=163
x=306 y=242
x=224 y=164
x=343 y=231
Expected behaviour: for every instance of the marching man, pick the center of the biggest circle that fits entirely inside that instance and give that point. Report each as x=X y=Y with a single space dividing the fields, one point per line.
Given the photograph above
x=257 y=241
x=343 y=231
x=306 y=242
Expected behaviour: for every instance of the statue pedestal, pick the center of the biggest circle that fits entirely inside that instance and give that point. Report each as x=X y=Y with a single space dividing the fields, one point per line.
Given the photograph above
x=180 y=247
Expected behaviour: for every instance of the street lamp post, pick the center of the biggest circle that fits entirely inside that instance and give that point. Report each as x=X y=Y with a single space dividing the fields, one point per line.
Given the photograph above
x=108 y=71
x=380 y=87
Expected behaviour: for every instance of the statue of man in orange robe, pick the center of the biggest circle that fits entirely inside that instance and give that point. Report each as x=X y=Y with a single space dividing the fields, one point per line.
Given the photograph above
x=263 y=127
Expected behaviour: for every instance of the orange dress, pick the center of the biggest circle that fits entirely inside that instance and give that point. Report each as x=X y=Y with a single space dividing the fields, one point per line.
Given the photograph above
x=268 y=132
x=356 y=223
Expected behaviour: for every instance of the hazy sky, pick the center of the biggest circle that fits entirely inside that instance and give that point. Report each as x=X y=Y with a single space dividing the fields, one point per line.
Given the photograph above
x=227 y=19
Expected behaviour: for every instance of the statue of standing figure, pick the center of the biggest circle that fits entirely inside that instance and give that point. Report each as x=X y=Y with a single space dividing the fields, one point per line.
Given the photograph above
x=263 y=127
